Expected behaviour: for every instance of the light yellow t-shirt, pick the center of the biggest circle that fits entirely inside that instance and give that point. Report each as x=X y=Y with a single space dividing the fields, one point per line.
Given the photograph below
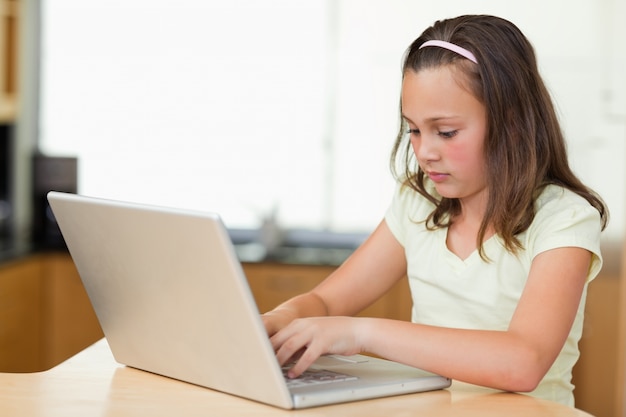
x=472 y=294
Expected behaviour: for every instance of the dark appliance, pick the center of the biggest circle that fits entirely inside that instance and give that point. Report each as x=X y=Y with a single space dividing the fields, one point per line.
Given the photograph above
x=50 y=173
x=6 y=207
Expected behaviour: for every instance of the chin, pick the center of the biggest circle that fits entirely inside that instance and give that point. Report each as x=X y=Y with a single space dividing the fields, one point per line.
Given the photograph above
x=446 y=192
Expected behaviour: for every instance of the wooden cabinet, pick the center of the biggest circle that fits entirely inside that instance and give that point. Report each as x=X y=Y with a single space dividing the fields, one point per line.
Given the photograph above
x=620 y=391
x=45 y=314
x=594 y=375
x=46 y=317
x=69 y=322
x=271 y=284
x=20 y=313
x=595 y=372
x=9 y=13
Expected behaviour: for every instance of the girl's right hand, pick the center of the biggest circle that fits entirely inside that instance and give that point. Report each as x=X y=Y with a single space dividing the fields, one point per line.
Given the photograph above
x=276 y=320
x=303 y=305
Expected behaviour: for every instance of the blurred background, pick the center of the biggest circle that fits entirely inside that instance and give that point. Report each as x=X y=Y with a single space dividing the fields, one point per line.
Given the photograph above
x=250 y=107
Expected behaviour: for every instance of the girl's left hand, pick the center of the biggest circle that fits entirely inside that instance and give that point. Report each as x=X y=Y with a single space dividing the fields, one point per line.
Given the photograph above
x=309 y=338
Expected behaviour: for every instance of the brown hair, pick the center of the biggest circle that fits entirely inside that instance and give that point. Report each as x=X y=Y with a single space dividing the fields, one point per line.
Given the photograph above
x=524 y=148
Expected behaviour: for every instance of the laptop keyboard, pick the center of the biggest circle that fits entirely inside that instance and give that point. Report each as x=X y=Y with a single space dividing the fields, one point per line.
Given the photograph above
x=316 y=377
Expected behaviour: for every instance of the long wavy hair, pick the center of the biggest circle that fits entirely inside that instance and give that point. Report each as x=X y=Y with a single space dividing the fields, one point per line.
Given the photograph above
x=525 y=149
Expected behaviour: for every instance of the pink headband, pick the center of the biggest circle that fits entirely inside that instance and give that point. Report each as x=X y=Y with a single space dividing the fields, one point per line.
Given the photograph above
x=452 y=47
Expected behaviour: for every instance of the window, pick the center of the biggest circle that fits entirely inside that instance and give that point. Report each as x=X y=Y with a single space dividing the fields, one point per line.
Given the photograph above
x=222 y=106
x=243 y=106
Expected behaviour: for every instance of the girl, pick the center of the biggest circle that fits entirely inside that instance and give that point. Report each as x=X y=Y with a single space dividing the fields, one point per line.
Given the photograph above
x=497 y=236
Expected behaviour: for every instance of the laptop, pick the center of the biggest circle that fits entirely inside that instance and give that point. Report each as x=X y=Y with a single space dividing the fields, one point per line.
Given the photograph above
x=172 y=299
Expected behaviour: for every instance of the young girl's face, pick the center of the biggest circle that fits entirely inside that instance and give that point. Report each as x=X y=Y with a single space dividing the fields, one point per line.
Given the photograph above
x=447 y=127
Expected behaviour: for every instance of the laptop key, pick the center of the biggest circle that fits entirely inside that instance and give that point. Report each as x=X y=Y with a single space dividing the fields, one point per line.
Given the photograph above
x=316 y=377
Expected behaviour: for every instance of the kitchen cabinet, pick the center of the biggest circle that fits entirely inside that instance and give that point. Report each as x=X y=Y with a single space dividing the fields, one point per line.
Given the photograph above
x=45 y=314
x=598 y=376
x=20 y=316
x=273 y=283
x=620 y=391
x=594 y=374
x=9 y=14
x=69 y=323
x=46 y=317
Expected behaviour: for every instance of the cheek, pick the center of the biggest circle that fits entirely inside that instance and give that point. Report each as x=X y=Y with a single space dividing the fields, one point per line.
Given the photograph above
x=459 y=152
x=467 y=156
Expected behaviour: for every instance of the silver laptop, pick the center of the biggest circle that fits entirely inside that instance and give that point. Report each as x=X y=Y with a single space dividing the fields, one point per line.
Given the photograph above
x=172 y=299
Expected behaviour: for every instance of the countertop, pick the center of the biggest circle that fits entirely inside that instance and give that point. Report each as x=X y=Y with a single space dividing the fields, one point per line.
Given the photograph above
x=297 y=247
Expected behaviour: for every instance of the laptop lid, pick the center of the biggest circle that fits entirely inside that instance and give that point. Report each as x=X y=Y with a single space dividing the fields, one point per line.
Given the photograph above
x=170 y=295
x=172 y=299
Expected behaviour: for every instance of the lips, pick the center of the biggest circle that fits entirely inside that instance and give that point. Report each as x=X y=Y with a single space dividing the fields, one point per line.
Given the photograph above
x=437 y=176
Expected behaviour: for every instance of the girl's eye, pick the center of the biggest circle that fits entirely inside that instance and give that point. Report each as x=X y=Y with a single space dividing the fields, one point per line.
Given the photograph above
x=448 y=135
x=413 y=132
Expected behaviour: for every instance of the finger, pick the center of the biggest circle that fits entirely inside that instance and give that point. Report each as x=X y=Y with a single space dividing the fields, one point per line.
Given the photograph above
x=270 y=326
x=308 y=357
x=296 y=356
x=289 y=343
x=281 y=336
x=278 y=339
x=290 y=350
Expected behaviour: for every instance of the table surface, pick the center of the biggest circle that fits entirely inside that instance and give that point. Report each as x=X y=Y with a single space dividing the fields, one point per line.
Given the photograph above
x=92 y=383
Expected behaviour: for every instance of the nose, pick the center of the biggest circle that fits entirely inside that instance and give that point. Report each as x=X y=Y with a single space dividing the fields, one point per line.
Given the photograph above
x=425 y=148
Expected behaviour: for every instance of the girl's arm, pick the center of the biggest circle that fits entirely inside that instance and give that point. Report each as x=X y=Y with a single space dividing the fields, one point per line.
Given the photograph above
x=362 y=279
x=512 y=360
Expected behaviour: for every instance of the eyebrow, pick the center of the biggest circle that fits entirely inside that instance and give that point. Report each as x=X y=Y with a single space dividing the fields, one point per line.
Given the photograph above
x=430 y=119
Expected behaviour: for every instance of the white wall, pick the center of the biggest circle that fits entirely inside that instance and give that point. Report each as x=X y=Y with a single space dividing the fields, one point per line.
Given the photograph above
x=576 y=45
x=26 y=132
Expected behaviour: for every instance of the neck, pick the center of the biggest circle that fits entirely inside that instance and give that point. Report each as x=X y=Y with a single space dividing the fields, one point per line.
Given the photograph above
x=473 y=209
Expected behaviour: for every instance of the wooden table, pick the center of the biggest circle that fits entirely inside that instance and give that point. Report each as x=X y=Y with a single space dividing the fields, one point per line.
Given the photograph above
x=93 y=384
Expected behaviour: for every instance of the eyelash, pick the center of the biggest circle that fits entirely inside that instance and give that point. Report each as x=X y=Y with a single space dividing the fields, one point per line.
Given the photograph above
x=446 y=135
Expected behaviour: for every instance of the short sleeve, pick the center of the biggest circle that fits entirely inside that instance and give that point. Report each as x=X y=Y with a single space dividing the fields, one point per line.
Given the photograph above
x=394 y=214
x=564 y=219
x=407 y=208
